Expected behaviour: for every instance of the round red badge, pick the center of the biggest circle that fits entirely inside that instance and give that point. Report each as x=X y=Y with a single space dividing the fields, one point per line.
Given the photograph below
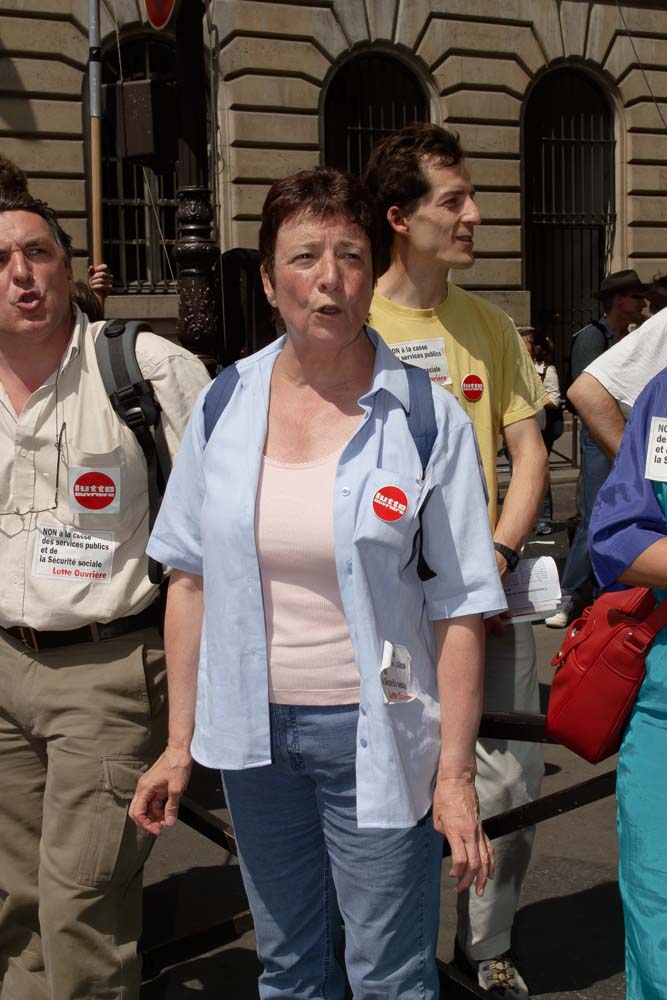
x=472 y=388
x=94 y=490
x=390 y=503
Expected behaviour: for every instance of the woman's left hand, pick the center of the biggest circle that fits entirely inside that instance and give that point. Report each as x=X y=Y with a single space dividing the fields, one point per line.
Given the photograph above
x=456 y=816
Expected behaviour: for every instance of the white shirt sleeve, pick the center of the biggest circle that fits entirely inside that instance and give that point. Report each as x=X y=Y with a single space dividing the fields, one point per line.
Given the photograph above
x=630 y=364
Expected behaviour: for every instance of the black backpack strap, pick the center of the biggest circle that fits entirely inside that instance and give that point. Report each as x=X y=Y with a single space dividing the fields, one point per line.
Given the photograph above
x=218 y=396
x=424 y=430
x=133 y=399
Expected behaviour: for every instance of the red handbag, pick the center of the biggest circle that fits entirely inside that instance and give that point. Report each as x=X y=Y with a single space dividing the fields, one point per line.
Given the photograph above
x=601 y=666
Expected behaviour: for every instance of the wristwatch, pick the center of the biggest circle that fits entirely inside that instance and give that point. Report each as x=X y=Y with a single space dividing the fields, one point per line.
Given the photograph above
x=511 y=557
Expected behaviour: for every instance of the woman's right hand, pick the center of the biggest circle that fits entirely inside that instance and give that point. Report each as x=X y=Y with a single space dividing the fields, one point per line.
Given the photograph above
x=159 y=790
x=456 y=816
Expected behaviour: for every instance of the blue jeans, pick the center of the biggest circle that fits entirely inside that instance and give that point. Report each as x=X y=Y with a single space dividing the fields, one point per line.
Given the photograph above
x=305 y=863
x=595 y=467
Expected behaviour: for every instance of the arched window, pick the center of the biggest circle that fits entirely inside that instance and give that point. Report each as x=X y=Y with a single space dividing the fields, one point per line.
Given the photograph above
x=570 y=204
x=370 y=95
x=139 y=206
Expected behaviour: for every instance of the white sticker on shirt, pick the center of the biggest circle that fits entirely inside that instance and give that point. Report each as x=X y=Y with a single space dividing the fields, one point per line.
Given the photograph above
x=656 y=453
x=65 y=553
x=94 y=491
x=427 y=354
x=395 y=673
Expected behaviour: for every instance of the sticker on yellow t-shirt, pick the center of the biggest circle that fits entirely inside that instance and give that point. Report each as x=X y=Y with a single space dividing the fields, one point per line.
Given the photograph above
x=427 y=354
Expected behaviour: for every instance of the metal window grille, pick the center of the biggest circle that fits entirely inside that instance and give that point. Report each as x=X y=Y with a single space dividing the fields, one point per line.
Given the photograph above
x=139 y=204
x=570 y=216
x=370 y=96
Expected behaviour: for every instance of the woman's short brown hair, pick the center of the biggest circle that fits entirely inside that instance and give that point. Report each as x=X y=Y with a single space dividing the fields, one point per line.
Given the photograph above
x=323 y=192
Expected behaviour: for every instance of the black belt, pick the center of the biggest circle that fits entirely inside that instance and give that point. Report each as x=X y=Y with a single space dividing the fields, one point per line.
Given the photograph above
x=35 y=640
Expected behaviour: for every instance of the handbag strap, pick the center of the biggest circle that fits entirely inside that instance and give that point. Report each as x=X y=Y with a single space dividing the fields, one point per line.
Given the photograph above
x=643 y=633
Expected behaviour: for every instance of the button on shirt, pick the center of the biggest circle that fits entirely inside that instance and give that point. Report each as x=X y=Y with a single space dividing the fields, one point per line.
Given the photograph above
x=82 y=560
x=206 y=527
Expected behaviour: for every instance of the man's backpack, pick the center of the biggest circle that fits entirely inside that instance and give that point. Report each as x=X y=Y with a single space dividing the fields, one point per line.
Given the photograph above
x=569 y=377
x=133 y=399
x=421 y=423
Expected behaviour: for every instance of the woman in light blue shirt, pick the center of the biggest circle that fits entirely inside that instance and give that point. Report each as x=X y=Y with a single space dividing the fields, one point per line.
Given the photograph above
x=338 y=808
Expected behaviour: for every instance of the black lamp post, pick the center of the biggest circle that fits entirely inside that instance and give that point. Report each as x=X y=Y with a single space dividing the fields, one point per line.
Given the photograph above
x=196 y=253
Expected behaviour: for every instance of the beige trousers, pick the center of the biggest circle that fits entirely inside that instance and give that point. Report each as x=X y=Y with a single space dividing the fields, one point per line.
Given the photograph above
x=509 y=774
x=78 y=725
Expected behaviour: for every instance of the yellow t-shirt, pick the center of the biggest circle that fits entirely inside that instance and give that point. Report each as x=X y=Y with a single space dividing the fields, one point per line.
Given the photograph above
x=472 y=348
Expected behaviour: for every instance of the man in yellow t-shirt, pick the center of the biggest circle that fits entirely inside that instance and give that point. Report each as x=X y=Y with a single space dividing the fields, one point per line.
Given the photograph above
x=472 y=349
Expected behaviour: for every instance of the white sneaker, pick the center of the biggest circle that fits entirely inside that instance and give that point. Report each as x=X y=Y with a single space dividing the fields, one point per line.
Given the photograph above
x=564 y=615
x=560 y=620
x=499 y=976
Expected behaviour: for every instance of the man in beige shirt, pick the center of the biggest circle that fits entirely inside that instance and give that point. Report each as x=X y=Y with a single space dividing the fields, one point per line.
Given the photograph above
x=82 y=674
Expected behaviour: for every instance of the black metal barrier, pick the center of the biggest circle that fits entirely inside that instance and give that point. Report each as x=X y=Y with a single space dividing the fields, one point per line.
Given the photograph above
x=454 y=984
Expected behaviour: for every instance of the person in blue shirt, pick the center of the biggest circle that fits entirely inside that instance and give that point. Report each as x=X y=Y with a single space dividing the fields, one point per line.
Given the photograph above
x=628 y=543
x=338 y=692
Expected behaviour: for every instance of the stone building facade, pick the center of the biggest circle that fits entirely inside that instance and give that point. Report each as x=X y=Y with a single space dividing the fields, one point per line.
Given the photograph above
x=478 y=64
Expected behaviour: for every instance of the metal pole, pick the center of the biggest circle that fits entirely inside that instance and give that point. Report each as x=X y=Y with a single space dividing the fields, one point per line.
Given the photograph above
x=94 y=73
